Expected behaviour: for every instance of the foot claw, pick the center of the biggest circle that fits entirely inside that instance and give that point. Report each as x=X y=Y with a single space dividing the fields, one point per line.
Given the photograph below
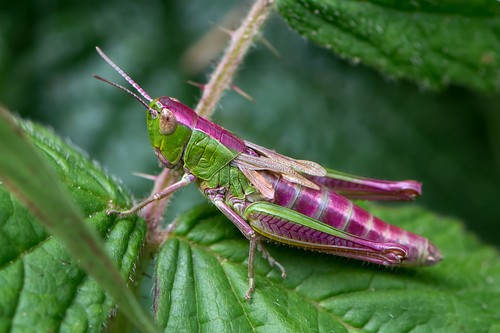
x=272 y=262
x=113 y=211
x=251 y=289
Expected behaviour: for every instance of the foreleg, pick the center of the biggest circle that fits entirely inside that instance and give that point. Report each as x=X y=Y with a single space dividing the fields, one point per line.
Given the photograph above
x=185 y=180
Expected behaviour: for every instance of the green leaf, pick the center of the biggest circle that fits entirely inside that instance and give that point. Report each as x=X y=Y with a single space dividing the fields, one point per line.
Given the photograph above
x=43 y=288
x=202 y=278
x=432 y=43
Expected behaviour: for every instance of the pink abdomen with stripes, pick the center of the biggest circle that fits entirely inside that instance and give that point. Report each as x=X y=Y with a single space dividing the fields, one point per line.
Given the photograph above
x=333 y=209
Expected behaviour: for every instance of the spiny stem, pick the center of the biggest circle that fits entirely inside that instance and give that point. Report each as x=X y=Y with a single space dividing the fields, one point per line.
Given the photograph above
x=221 y=79
x=241 y=40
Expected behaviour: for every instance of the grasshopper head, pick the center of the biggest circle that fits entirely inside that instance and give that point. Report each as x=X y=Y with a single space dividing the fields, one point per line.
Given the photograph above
x=169 y=121
x=169 y=127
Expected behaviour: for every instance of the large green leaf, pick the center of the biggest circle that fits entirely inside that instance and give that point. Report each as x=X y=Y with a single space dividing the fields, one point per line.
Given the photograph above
x=43 y=288
x=433 y=43
x=202 y=277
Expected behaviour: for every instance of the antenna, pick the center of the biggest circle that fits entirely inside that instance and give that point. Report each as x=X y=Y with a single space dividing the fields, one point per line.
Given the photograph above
x=125 y=76
x=126 y=90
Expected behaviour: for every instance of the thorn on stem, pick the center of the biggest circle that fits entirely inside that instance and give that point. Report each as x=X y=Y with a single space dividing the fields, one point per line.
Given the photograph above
x=270 y=47
x=233 y=87
x=196 y=84
x=145 y=176
x=227 y=31
x=241 y=92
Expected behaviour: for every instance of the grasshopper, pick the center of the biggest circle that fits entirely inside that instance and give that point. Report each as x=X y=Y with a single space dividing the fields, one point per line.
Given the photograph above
x=269 y=196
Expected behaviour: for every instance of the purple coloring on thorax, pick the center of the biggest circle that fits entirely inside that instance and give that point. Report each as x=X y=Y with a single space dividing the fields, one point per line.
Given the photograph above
x=219 y=133
x=188 y=117
x=183 y=113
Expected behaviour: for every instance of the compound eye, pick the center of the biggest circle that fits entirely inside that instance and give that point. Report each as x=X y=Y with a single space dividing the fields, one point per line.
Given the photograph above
x=168 y=123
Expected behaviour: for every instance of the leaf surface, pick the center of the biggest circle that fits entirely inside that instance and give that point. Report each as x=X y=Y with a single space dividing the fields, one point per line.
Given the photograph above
x=43 y=288
x=432 y=43
x=201 y=278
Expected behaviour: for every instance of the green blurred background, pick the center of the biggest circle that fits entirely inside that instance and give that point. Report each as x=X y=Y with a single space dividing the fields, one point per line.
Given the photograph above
x=307 y=103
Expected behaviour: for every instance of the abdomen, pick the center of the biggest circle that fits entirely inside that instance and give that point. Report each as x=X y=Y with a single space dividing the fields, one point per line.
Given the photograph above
x=335 y=210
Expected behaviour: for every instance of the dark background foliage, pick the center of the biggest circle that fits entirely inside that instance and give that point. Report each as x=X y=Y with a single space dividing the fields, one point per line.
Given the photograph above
x=308 y=103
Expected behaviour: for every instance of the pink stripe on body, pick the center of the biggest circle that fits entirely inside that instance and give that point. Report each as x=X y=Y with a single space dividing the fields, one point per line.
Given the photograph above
x=335 y=210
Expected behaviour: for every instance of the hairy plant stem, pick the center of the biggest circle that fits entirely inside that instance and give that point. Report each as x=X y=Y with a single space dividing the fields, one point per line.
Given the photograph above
x=241 y=40
x=220 y=80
